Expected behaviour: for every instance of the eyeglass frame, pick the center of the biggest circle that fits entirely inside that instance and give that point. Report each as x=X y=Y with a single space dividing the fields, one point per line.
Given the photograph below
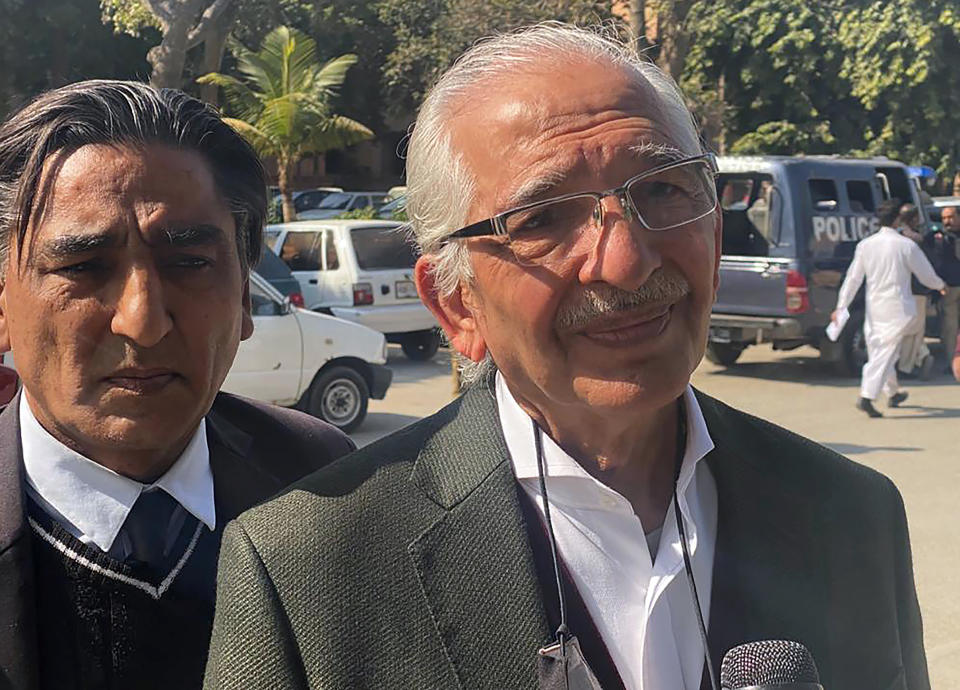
x=496 y=225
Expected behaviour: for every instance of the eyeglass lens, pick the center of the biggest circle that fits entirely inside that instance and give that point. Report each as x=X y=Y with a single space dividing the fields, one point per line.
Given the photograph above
x=551 y=231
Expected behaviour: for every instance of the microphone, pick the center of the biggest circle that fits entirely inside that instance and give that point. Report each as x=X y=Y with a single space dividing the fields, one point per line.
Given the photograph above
x=769 y=665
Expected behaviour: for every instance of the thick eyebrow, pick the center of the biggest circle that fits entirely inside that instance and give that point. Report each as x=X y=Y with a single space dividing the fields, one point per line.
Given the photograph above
x=191 y=236
x=532 y=190
x=66 y=246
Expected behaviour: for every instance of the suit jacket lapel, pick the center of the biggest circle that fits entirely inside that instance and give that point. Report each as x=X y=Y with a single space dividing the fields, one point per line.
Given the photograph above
x=765 y=582
x=475 y=564
x=18 y=640
x=239 y=482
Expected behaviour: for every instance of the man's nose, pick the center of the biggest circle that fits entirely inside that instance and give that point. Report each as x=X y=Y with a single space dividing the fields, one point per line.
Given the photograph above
x=141 y=313
x=623 y=252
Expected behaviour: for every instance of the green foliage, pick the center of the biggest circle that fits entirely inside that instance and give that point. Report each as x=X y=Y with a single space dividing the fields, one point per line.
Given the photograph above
x=836 y=76
x=54 y=42
x=430 y=34
x=130 y=17
x=365 y=213
x=282 y=101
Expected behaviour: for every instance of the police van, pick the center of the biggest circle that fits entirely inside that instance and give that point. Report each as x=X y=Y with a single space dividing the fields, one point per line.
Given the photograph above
x=790 y=226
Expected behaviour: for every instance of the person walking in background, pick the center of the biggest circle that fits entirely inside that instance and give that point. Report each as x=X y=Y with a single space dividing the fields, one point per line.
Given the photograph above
x=886 y=261
x=944 y=250
x=914 y=354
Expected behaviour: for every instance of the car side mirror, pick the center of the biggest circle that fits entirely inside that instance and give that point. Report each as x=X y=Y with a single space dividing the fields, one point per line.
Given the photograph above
x=286 y=306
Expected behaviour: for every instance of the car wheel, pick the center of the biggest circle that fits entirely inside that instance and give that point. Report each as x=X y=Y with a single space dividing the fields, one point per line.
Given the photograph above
x=422 y=345
x=724 y=354
x=854 y=345
x=339 y=396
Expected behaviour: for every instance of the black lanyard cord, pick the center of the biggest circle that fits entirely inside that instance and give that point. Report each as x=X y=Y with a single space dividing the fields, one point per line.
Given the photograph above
x=562 y=632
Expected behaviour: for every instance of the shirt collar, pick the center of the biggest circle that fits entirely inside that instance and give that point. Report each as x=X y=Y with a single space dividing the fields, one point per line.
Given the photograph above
x=518 y=433
x=96 y=500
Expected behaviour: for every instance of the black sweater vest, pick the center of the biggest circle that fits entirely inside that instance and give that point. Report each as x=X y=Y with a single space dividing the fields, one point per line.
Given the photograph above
x=106 y=625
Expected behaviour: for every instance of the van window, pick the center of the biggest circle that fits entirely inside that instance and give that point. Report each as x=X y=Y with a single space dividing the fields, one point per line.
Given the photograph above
x=823 y=195
x=301 y=251
x=331 y=261
x=860 y=194
x=382 y=247
x=750 y=207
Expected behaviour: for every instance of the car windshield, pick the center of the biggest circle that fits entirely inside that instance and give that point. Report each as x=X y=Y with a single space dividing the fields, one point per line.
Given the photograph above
x=337 y=200
x=382 y=247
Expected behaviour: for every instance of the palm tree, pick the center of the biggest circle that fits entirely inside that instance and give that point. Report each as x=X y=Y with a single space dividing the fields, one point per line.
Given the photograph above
x=282 y=102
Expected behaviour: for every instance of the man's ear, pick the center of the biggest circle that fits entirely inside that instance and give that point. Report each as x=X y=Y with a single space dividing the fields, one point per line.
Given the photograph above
x=246 y=322
x=454 y=313
x=4 y=325
x=717 y=251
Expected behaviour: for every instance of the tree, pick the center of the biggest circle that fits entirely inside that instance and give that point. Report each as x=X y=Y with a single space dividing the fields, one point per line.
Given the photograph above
x=902 y=69
x=47 y=44
x=282 y=102
x=183 y=24
x=431 y=34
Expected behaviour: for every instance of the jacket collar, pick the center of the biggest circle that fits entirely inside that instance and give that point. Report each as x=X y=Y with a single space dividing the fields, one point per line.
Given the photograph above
x=475 y=563
x=11 y=476
x=766 y=578
x=18 y=638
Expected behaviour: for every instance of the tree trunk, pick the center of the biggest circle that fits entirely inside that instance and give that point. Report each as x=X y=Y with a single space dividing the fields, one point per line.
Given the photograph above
x=638 y=24
x=674 y=37
x=284 y=179
x=214 y=43
x=168 y=58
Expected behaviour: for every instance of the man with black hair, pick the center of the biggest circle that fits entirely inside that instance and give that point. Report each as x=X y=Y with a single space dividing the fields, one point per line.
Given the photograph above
x=129 y=220
x=886 y=261
x=943 y=247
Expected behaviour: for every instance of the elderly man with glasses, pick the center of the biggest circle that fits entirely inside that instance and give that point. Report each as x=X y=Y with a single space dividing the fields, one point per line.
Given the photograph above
x=580 y=517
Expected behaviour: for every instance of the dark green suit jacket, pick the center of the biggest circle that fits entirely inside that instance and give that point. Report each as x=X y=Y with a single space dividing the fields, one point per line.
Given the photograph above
x=407 y=564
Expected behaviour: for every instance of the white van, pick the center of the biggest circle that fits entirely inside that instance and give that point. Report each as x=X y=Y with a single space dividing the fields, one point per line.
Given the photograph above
x=361 y=271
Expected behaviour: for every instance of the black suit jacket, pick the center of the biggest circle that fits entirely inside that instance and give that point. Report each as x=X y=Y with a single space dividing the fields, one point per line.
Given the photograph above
x=255 y=451
x=409 y=564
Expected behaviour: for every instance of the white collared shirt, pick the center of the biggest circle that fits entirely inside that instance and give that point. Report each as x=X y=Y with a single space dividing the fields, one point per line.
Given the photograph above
x=642 y=607
x=92 y=502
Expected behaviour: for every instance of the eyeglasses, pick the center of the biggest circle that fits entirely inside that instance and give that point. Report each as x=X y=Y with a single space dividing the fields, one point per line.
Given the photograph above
x=547 y=232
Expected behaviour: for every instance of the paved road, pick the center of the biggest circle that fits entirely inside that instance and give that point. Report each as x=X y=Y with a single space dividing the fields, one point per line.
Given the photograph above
x=916 y=446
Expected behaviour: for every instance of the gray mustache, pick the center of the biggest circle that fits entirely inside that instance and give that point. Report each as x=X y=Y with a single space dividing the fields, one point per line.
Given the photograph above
x=663 y=287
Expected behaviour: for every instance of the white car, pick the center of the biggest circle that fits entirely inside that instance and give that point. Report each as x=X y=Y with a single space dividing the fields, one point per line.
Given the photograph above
x=320 y=364
x=361 y=271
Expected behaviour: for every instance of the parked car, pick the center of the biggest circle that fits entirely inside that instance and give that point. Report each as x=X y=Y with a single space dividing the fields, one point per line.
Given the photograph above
x=790 y=226
x=343 y=202
x=318 y=363
x=278 y=274
x=303 y=199
x=394 y=210
x=362 y=271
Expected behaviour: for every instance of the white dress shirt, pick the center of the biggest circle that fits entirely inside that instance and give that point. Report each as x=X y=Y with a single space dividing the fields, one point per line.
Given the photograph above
x=92 y=502
x=642 y=607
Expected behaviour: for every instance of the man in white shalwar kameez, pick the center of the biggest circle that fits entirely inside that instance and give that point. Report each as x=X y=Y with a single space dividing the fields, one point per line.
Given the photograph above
x=886 y=260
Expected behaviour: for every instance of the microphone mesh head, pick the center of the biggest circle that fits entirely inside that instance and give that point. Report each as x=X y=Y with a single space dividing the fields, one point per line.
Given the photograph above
x=767 y=662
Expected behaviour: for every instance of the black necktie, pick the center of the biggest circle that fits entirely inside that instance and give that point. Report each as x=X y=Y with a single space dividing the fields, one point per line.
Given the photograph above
x=150 y=530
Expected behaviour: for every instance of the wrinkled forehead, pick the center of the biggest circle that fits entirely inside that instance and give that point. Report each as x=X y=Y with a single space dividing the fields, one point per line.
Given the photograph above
x=550 y=112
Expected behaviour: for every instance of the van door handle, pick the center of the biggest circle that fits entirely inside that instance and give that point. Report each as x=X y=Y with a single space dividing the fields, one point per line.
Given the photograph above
x=312 y=281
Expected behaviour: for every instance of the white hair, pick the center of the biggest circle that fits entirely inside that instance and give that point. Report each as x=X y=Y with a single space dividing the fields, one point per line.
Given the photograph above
x=440 y=187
